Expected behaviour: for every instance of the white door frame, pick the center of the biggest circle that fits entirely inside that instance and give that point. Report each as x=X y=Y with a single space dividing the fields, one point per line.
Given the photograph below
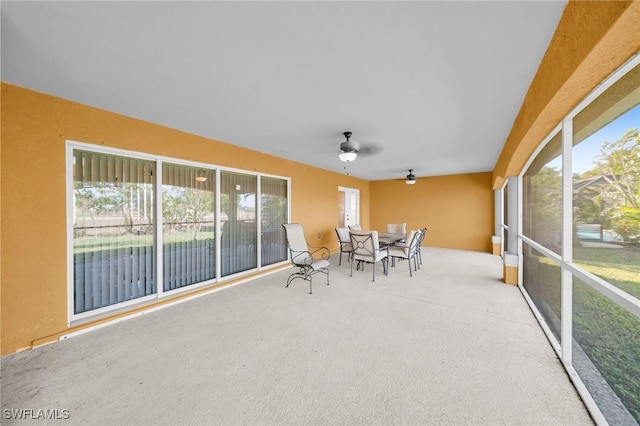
x=352 y=205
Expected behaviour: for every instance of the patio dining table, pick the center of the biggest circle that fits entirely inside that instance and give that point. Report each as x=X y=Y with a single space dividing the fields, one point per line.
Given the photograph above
x=388 y=239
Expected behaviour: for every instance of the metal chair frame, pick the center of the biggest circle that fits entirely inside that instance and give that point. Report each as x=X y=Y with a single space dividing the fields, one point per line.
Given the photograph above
x=423 y=233
x=366 y=249
x=345 y=246
x=303 y=258
x=411 y=252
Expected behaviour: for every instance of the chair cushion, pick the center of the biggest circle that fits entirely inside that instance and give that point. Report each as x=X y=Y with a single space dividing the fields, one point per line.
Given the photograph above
x=402 y=251
x=398 y=252
x=320 y=264
x=343 y=234
x=379 y=255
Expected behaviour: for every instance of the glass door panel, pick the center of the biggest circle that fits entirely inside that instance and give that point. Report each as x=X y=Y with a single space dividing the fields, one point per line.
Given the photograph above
x=188 y=206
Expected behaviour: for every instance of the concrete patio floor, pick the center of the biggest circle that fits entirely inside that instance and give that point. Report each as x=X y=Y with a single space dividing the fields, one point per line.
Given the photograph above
x=452 y=345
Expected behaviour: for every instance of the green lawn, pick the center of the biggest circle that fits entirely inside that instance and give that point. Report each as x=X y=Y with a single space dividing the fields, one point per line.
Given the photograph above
x=608 y=333
x=619 y=266
x=88 y=243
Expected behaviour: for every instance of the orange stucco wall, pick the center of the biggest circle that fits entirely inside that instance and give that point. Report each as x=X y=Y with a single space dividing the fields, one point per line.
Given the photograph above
x=457 y=210
x=35 y=127
x=34 y=130
x=593 y=39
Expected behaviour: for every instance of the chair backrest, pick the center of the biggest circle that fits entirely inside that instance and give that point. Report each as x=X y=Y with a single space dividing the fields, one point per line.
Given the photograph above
x=365 y=244
x=423 y=233
x=413 y=240
x=343 y=235
x=355 y=227
x=297 y=243
x=397 y=228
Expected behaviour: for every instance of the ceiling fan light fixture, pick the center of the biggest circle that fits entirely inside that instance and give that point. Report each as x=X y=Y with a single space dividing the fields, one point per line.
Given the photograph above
x=201 y=176
x=347 y=156
x=411 y=178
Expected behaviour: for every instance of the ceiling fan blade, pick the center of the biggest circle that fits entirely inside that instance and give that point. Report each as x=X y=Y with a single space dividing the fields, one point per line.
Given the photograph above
x=370 y=149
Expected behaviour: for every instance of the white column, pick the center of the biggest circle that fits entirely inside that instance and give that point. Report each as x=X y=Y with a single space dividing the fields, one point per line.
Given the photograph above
x=512 y=255
x=496 y=238
x=513 y=213
x=497 y=208
x=566 y=298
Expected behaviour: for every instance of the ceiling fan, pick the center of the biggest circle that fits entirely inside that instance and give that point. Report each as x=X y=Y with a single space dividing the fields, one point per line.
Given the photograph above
x=350 y=149
x=411 y=178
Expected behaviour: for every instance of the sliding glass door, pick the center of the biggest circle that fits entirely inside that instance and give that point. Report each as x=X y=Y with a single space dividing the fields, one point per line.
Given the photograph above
x=274 y=213
x=144 y=226
x=188 y=206
x=238 y=222
x=113 y=230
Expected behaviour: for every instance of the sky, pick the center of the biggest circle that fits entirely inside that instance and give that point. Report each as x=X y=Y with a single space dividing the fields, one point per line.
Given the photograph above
x=583 y=154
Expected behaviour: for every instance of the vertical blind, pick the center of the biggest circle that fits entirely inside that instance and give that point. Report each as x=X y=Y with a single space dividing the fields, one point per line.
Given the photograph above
x=188 y=206
x=273 y=210
x=113 y=253
x=239 y=228
x=115 y=234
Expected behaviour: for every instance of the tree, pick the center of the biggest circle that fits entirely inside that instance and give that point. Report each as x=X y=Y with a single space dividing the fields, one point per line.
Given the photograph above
x=544 y=195
x=184 y=209
x=199 y=203
x=619 y=162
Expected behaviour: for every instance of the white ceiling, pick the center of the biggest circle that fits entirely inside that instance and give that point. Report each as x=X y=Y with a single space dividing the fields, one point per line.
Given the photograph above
x=433 y=86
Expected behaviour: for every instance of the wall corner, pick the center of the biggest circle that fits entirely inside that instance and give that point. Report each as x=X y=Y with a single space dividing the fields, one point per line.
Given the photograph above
x=496 y=245
x=510 y=269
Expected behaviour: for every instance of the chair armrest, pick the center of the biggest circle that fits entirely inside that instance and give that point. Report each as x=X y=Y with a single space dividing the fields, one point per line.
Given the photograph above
x=323 y=251
x=308 y=257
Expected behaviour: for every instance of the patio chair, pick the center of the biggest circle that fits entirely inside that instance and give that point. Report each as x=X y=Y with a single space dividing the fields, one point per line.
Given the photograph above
x=408 y=252
x=423 y=233
x=308 y=262
x=345 y=243
x=397 y=228
x=366 y=249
